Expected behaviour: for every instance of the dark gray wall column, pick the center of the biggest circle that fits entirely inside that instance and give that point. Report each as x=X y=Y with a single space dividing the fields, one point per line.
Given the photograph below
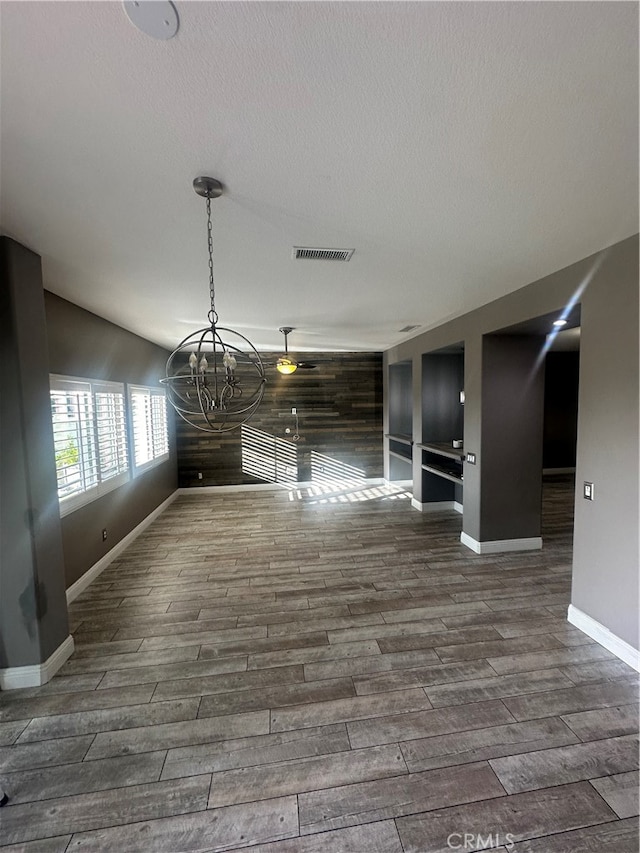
x=33 y=605
x=510 y=457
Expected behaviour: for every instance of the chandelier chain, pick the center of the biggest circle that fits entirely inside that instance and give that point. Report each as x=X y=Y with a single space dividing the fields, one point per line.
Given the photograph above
x=213 y=317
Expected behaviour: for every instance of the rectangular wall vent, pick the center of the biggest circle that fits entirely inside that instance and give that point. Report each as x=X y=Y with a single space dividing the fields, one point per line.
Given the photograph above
x=307 y=253
x=409 y=328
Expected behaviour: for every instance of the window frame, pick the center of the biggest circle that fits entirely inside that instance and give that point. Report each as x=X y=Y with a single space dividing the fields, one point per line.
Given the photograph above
x=91 y=441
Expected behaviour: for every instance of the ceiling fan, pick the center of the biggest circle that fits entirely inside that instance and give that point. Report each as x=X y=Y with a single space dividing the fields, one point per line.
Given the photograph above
x=287 y=365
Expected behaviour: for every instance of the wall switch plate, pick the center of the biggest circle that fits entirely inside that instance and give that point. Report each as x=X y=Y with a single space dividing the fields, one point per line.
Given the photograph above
x=471 y=458
x=104 y=535
x=199 y=475
x=587 y=491
x=294 y=411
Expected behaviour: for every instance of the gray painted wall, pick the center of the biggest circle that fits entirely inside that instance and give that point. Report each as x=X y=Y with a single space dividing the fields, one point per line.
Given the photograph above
x=83 y=344
x=605 y=579
x=605 y=571
x=33 y=607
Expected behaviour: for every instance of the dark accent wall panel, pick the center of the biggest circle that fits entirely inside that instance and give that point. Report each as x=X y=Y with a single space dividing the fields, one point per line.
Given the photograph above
x=560 y=409
x=339 y=407
x=511 y=447
x=85 y=345
x=442 y=382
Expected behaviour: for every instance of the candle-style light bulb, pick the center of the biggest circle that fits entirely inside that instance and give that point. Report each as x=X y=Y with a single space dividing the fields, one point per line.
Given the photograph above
x=229 y=360
x=193 y=361
x=203 y=364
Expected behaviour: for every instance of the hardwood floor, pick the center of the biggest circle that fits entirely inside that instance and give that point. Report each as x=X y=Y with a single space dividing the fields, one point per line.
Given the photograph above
x=325 y=674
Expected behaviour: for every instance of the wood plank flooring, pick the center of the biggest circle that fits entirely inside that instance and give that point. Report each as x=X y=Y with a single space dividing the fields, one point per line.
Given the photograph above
x=325 y=673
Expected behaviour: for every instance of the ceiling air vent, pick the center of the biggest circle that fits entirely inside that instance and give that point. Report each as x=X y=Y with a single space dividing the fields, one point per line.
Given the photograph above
x=307 y=253
x=408 y=328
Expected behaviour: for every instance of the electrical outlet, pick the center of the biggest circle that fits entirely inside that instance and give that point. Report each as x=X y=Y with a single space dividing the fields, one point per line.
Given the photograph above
x=587 y=491
x=471 y=458
x=104 y=535
x=199 y=475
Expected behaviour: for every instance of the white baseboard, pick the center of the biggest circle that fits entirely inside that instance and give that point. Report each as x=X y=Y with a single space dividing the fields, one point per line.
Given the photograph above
x=499 y=546
x=559 y=470
x=97 y=568
x=458 y=507
x=435 y=506
x=598 y=632
x=37 y=674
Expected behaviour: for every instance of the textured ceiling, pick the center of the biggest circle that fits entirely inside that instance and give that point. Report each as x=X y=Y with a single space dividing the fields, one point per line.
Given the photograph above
x=462 y=149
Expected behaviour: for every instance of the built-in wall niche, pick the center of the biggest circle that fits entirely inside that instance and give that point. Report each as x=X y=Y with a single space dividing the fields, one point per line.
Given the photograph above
x=400 y=435
x=442 y=425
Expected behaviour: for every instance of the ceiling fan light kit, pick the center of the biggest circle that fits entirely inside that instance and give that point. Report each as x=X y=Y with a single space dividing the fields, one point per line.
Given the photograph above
x=215 y=377
x=285 y=364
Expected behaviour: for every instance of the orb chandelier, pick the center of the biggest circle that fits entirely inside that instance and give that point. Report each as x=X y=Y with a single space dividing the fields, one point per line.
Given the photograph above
x=215 y=377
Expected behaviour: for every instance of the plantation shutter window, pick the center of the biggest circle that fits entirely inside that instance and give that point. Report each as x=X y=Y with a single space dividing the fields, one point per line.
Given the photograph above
x=90 y=439
x=148 y=426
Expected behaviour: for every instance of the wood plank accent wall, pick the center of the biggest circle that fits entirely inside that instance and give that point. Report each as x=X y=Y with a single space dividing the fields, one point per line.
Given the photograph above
x=339 y=407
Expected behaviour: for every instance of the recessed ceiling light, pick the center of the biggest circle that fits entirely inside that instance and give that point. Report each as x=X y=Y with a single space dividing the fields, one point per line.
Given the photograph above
x=156 y=18
x=559 y=323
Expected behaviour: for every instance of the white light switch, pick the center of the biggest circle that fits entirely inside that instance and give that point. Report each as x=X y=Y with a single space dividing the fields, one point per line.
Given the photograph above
x=587 y=491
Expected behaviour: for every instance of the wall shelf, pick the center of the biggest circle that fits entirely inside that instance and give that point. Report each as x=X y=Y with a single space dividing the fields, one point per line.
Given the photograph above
x=399 y=437
x=400 y=446
x=402 y=456
x=444 y=473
